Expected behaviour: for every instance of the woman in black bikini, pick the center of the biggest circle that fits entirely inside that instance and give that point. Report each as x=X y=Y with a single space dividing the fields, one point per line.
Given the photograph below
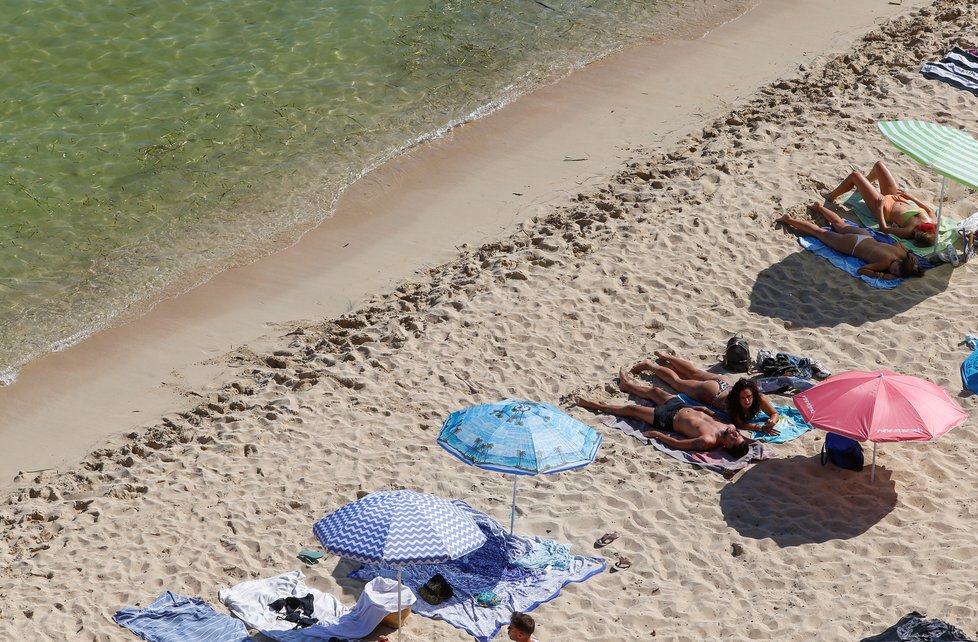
x=740 y=400
x=897 y=212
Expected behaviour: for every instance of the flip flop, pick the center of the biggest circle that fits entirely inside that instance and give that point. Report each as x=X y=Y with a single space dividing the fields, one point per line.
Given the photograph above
x=309 y=558
x=623 y=562
x=606 y=539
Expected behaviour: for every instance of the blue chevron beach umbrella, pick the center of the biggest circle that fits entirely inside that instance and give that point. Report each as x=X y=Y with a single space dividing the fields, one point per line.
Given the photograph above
x=519 y=438
x=399 y=528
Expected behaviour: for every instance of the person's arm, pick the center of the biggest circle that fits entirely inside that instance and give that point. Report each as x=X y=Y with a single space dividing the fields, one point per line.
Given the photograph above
x=899 y=232
x=706 y=410
x=698 y=444
x=773 y=417
x=878 y=211
x=920 y=204
x=879 y=270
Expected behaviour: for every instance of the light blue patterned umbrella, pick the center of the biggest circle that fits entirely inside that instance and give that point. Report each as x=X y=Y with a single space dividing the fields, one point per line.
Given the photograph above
x=519 y=438
x=399 y=528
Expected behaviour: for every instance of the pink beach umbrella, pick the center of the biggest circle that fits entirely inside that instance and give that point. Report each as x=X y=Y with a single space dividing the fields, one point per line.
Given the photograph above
x=880 y=406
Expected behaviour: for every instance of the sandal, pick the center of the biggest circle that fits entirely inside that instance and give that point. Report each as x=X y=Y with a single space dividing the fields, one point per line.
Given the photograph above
x=605 y=539
x=623 y=563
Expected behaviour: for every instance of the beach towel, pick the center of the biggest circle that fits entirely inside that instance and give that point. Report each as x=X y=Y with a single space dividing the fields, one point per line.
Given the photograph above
x=945 y=239
x=912 y=627
x=493 y=571
x=848 y=264
x=250 y=601
x=175 y=618
x=717 y=460
x=959 y=69
x=378 y=599
x=791 y=424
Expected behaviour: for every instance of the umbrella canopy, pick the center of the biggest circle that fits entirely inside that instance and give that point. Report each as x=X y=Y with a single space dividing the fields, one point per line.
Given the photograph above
x=519 y=438
x=880 y=406
x=399 y=528
x=950 y=152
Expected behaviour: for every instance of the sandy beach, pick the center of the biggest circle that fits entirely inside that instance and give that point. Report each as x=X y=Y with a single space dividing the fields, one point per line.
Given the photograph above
x=629 y=208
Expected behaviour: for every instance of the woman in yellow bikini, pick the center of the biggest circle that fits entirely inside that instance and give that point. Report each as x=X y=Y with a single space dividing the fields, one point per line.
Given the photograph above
x=899 y=214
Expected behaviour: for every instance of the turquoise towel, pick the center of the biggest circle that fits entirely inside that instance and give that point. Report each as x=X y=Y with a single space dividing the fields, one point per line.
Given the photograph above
x=790 y=425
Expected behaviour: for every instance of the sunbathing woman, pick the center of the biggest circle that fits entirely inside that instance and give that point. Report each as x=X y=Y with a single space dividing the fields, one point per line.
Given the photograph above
x=897 y=212
x=739 y=400
x=883 y=260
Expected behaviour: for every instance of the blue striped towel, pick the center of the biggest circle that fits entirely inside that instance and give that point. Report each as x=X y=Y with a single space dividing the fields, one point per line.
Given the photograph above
x=175 y=618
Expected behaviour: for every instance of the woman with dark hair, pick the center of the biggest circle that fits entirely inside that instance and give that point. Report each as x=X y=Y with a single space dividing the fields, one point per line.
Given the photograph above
x=740 y=400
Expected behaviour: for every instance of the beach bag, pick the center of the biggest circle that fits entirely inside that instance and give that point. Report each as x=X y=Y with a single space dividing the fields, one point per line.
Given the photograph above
x=736 y=358
x=842 y=451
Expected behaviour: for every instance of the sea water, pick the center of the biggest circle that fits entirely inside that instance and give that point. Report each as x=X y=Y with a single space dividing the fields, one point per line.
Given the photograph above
x=147 y=144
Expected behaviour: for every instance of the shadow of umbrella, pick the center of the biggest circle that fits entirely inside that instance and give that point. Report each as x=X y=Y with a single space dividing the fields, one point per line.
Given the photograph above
x=793 y=290
x=796 y=501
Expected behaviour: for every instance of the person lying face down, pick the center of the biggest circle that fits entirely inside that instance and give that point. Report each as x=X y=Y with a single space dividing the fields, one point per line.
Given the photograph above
x=883 y=260
x=700 y=427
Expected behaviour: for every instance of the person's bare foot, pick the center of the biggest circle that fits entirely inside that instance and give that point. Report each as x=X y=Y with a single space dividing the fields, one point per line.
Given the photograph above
x=641 y=366
x=663 y=358
x=627 y=384
x=587 y=403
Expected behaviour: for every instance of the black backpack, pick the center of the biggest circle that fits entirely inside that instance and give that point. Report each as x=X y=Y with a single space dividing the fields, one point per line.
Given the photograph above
x=737 y=356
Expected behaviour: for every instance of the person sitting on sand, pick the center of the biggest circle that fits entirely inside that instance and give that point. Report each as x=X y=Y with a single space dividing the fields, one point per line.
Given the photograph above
x=883 y=260
x=897 y=212
x=700 y=425
x=521 y=627
x=740 y=400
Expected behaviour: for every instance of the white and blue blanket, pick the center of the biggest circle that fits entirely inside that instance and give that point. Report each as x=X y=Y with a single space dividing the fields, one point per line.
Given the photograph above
x=522 y=572
x=175 y=618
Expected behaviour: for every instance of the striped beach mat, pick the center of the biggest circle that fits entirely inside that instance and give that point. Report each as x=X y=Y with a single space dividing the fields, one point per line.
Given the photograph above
x=958 y=68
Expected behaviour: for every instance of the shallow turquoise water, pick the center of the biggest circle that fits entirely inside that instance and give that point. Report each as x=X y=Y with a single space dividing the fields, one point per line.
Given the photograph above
x=147 y=143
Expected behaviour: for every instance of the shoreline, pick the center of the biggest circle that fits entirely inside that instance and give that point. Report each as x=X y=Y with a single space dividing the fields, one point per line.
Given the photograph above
x=675 y=249
x=500 y=170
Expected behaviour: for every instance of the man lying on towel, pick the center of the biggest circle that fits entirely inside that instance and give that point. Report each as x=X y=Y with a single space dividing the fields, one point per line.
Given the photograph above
x=883 y=260
x=699 y=425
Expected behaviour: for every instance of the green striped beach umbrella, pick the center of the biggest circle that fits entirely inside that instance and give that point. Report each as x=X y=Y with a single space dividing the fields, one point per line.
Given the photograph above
x=950 y=152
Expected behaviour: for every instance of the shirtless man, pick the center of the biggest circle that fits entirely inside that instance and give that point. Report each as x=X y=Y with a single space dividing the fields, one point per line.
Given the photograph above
x=699 y=425
x=883 y=260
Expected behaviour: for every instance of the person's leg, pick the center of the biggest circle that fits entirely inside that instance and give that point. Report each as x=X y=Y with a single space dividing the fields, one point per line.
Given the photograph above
x=631 y=386
x=685 y=369
x=838 y=224
x=860 y=183
x=644 y=413
x=882 y=175
x=704 y=391
x=839 y=242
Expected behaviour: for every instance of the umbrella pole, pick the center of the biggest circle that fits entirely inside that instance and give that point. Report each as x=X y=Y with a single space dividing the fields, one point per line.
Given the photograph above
x=937 y=236
x=398 y=602
x=872 y=471
x=512 y=510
